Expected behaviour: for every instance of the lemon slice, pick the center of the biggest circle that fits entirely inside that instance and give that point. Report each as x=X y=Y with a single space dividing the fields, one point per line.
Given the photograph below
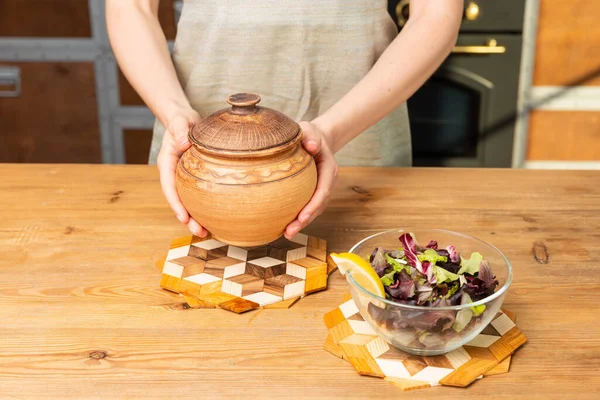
x=361 y=270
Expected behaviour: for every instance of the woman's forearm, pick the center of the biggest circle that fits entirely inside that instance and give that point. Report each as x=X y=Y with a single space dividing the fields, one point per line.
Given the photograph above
x=415 y=54
x=142 y=52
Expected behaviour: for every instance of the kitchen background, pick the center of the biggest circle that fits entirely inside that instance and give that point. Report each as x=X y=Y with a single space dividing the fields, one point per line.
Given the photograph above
x=521 y=88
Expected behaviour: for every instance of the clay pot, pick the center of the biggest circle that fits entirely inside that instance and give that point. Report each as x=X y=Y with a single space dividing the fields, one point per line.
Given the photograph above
x=246 y=176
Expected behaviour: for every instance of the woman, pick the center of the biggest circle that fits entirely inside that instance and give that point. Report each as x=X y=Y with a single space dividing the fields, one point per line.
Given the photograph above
x=339 y=67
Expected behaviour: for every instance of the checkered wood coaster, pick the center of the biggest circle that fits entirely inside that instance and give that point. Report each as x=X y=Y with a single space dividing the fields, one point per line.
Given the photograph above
x=209 y=273
x=350 y=337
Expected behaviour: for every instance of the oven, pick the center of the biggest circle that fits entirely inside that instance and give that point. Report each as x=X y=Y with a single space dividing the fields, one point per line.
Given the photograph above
x=465 y=114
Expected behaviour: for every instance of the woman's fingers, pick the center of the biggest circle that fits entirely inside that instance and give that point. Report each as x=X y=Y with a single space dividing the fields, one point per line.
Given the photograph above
x=167 y=160
x=327 y=171
x=167 y=163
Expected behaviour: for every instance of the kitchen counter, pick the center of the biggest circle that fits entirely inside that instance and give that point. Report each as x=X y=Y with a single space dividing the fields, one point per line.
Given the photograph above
x=83 y=315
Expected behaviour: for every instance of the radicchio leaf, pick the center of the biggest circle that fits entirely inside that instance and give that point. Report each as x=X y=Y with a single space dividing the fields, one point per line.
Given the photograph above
x=443 y=252
x=403 y=288
x=477 y=290
x=427 y=269
x=485 y=274
x=423 y=297
x=428 y=320
x=410 y=251
x=378 y=261
x=433 y=244
x=454 y=257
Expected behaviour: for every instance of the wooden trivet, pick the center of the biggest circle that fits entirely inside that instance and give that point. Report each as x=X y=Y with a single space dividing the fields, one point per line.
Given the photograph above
x=350 y=337
x=209 y=273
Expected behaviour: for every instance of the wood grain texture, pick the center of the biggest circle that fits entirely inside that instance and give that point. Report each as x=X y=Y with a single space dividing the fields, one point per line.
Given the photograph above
x=86 y=318
x=564 y=135
x=45 y=18
x=55 y=118
x=567 y=43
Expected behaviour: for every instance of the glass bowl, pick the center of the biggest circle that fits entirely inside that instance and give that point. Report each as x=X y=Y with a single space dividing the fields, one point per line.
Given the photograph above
x=409 y=327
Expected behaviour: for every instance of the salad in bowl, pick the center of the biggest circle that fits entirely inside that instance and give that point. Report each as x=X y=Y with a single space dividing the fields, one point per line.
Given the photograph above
x=426 y=297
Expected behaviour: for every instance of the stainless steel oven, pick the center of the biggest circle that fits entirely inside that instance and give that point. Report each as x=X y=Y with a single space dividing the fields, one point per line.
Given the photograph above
x=464 y=115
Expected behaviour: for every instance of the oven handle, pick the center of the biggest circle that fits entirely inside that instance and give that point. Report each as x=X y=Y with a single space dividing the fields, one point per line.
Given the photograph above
x=10 y=77
x=491 y=48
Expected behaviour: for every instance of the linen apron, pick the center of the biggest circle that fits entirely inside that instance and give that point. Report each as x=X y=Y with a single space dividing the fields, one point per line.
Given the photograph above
x=300 y=56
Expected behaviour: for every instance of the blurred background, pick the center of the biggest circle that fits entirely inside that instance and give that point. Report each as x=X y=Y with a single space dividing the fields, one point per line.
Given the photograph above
x=520 y=89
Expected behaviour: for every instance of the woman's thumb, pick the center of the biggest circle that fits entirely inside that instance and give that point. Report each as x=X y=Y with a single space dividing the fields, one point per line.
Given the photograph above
x=180 y=128
x=311 y=139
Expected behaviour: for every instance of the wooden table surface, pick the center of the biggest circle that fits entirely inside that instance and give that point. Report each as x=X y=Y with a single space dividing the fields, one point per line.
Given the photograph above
x=82 y=315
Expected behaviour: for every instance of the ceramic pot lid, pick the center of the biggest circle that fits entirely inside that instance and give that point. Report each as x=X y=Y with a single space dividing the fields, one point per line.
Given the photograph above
x=244 y=127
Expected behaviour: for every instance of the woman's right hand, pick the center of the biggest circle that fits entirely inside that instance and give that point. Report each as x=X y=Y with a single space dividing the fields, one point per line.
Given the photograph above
x=175 y=143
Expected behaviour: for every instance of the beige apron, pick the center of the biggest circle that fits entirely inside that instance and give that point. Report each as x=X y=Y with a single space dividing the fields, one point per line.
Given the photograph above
x=300 y=56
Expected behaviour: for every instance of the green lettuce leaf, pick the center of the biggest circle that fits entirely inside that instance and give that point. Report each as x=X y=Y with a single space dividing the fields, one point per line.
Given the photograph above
x=452 y=290
x=388 y=279
x=432 y=256
x=443 y=275
x=470 y=266
x=398 y=266
x=477 y=310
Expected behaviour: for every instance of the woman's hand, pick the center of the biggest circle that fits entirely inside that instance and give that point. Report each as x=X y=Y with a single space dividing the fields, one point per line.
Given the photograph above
x=317 y=143
x=175 y=143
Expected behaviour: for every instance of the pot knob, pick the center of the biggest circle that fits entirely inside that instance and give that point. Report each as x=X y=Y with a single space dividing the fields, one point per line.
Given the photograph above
x=243 y=103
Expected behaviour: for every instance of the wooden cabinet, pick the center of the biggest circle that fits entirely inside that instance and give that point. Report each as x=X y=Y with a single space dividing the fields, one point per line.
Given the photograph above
x=45 y=18
x=567 y=43
x=564 y=136
x=55 y=117
x=566 y=57
x=137 y=145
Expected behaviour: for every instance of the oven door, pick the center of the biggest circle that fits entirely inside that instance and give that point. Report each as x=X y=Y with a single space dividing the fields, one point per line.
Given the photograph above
x=464 y=115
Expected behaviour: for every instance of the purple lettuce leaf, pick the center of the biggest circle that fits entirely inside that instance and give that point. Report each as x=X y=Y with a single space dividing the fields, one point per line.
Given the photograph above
x=433 y=244
x=403 y=288
x=449 y=266
x=410 y=251
x=454 y=300
x=477 y=289
x=378 y=261
x=427 y=269
x=443 y=252
x=430 y=320
x=424 y=292
x=454 y=256
x=486 y=275
x=396 y=254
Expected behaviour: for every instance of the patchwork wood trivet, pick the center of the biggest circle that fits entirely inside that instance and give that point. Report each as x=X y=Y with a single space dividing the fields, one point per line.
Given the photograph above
x=350 y=337
x=209 y=273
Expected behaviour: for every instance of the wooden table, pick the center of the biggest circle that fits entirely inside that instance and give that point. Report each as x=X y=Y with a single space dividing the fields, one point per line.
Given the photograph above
x=82 y=315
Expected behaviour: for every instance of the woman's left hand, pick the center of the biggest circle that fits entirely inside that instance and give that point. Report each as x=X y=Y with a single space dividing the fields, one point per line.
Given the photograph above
x=316 y=142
